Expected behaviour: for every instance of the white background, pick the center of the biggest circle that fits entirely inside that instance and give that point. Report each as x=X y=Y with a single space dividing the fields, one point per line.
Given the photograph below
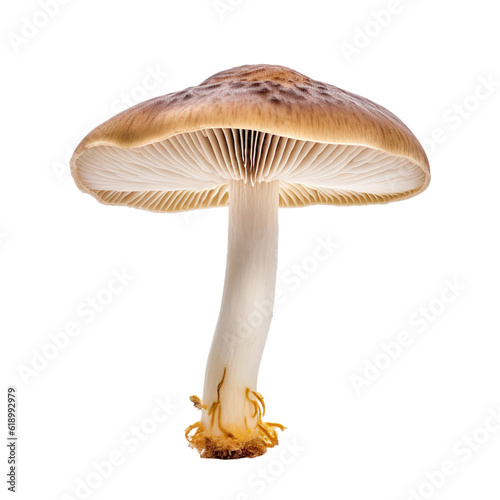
x=58 y=247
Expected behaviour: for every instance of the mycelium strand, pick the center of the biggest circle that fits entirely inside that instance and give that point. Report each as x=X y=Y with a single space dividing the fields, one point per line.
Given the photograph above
x=231 y=425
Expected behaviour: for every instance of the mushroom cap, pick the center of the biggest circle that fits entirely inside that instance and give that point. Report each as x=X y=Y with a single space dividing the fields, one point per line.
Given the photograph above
x=256 y=123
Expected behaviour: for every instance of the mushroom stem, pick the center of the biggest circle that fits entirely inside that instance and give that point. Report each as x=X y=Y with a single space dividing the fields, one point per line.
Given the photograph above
x=231 y=425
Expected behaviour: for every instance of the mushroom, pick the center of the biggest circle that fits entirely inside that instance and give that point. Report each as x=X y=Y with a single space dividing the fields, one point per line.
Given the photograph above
x=254 y=138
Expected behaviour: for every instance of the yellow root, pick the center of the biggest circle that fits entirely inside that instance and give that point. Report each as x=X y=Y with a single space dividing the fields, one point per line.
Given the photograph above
x=197 y=403
x=228 y=446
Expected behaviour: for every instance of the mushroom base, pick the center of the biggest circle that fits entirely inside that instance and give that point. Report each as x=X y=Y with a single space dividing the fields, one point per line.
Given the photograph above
x=227 y=448
x=231 y=447
x=215 y=441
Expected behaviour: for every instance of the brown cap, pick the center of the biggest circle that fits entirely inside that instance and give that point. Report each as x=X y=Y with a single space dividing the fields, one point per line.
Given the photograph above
x=257 y=124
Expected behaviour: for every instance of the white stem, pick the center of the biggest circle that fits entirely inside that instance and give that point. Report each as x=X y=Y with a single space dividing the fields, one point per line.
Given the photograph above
x=247 y=304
